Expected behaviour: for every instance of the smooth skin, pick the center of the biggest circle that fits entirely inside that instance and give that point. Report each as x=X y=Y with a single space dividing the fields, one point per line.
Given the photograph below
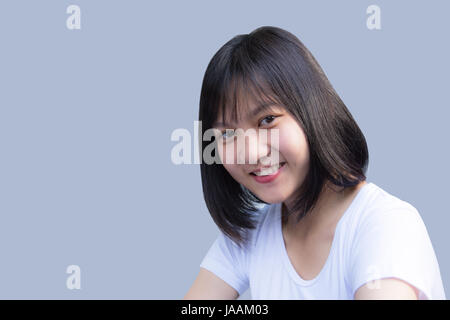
x=389 y=289
x=207 y=286
x=292 y=149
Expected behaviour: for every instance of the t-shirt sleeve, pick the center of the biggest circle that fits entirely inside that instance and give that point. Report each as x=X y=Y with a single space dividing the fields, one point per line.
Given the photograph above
x=396 y=244
x=229 y=262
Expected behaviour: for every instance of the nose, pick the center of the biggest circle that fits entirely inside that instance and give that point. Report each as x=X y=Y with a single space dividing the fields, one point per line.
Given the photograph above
x=254 y=147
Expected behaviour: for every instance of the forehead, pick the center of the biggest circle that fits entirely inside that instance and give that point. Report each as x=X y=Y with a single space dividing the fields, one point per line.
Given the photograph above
x=243 y=97
x=243 y=102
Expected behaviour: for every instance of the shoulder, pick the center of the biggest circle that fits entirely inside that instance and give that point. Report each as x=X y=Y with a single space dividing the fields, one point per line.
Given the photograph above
x=386 y=220
x=391 y=241
x=382 y=209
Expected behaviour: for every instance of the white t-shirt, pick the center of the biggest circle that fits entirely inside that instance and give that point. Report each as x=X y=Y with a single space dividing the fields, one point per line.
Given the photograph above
x=378 y=236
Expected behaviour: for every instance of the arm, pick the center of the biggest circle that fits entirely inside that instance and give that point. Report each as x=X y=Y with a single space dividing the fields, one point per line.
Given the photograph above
x=387 y=289
x=208 y=286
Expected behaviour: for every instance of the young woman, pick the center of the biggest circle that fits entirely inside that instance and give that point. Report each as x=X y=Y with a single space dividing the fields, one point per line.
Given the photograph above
x=324 y=232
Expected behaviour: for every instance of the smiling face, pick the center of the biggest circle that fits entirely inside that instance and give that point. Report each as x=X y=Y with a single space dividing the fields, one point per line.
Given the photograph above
x=272 y=185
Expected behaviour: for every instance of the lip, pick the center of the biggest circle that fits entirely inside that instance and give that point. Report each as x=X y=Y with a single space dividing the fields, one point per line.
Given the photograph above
x=269 y=178
x=264 y=167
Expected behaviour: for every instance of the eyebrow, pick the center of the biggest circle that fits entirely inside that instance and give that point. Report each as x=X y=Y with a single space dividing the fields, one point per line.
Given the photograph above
x=259 y=109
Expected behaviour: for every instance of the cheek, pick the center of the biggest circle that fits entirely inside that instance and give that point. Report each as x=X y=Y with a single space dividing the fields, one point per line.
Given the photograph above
x=227 y=153
x=293 y=144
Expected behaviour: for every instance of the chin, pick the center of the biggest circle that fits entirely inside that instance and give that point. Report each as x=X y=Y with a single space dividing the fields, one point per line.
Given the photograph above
x=272 y=198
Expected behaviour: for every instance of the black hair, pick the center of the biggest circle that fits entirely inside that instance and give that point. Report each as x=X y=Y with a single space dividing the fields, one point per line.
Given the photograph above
x=271 y=64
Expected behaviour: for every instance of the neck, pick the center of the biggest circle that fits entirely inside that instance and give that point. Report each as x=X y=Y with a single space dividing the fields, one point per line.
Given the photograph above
x=331 y=204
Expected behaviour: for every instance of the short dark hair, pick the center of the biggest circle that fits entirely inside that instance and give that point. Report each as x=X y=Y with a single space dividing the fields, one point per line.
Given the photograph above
x=272 y=64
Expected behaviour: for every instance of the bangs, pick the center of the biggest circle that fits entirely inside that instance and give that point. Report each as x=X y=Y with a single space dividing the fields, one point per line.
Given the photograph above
x=239 y=93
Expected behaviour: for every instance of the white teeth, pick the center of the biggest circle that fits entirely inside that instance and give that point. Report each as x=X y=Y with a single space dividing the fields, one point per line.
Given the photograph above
x=268 y=171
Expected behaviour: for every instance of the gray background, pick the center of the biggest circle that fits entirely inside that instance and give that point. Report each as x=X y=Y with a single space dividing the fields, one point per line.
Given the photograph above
x=86 y=116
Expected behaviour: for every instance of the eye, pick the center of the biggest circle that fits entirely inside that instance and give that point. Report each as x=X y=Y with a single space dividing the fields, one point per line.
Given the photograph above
x=271 y=118
x=226 y=134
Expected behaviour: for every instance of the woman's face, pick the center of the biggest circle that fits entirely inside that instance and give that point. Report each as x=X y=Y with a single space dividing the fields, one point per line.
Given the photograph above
x=261 y=150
